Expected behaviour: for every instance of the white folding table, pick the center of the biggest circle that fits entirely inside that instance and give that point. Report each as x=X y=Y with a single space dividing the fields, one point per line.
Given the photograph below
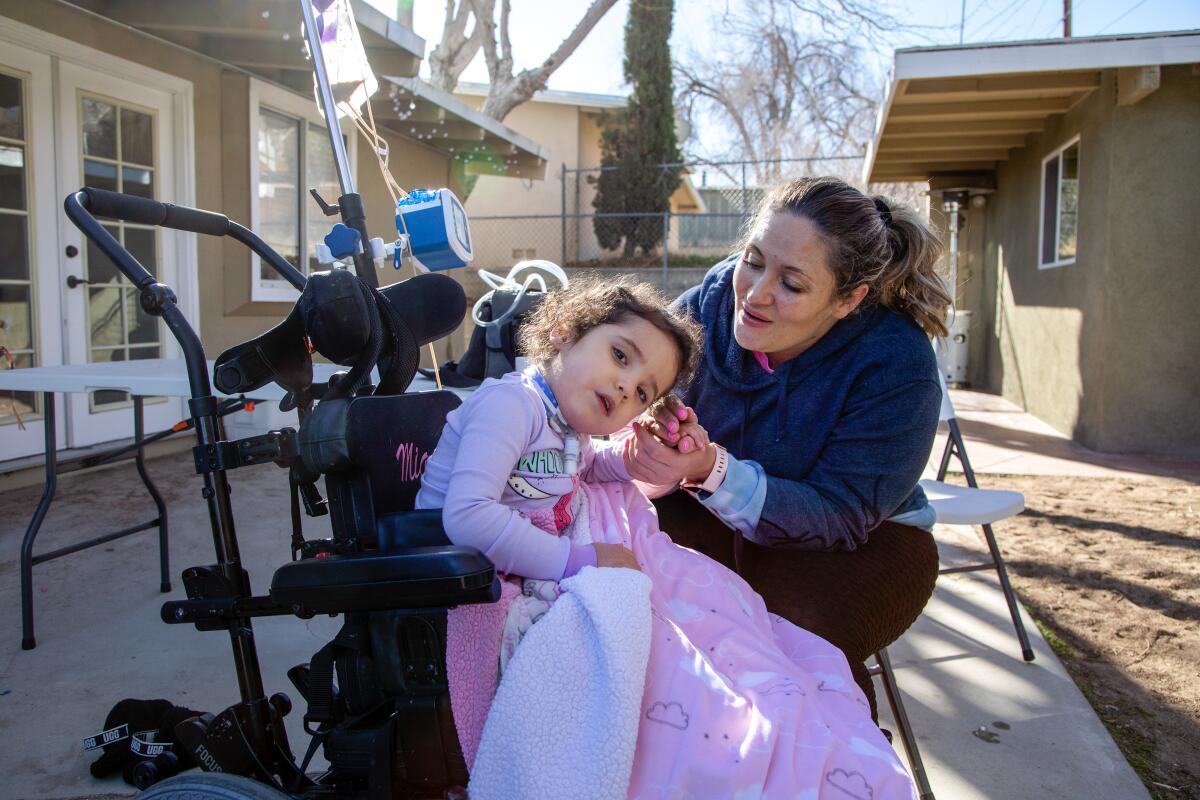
x=159 y=377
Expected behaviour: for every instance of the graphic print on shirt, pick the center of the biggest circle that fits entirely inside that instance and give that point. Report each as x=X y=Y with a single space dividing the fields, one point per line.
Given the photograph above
x=540 y=475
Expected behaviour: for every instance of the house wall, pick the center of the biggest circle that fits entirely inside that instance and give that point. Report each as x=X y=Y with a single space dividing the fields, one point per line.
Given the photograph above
x=501 y=243
x=222 y=164
x=1103 y=349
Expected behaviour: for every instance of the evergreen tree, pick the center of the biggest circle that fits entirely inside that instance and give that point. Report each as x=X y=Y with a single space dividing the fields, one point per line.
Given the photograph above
x=639 y=137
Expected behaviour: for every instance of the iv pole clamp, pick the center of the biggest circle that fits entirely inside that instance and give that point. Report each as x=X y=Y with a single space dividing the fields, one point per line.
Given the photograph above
x=350 y=204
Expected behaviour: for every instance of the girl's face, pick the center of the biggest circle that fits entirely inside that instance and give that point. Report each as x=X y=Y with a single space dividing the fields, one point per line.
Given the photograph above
x=611 y=374
x=785 y=295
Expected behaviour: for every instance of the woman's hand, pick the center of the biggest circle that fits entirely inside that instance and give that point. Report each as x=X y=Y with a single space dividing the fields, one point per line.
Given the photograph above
x=651 y=461
x=615 y=555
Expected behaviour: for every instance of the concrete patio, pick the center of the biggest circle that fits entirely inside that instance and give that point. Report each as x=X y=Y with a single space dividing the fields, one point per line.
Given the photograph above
x=989 y=725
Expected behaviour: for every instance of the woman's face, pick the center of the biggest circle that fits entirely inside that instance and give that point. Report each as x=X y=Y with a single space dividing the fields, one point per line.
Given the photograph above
x=784 y=289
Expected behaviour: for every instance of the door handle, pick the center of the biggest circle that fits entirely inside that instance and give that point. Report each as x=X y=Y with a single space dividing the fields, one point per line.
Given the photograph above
x=72 y=281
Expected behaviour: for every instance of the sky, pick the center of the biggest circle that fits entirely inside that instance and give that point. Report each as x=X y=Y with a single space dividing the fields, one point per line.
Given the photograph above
x=537 y=26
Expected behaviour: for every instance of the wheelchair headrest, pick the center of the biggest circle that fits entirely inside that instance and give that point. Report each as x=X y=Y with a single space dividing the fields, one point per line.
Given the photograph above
x=335 y=316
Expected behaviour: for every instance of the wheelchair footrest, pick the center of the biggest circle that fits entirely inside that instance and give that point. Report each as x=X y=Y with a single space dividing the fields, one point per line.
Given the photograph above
x=419 y=577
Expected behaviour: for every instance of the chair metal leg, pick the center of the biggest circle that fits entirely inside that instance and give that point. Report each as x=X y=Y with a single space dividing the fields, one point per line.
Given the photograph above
x=955 y=442
x=883 y=669
x=1014 y=609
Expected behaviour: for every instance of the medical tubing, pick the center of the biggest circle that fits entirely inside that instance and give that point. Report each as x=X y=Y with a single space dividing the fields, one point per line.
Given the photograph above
x=143 y=210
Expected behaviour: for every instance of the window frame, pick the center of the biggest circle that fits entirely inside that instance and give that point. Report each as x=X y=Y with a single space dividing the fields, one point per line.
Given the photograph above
x=300 y=108
x=1041 y=220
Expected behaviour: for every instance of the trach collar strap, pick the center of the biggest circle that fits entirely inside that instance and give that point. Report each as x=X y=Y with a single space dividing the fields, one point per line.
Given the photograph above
x=557 y=422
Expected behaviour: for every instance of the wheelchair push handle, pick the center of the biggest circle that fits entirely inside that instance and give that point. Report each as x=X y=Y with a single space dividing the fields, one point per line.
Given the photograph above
x=84 y=206
x=145 y=211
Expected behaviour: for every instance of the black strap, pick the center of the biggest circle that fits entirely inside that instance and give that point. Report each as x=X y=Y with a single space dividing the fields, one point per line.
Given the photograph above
x=406 y=353
x=320 y=680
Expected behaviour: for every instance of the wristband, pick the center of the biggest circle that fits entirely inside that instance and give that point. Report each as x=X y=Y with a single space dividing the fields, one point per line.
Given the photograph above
x=717 y=476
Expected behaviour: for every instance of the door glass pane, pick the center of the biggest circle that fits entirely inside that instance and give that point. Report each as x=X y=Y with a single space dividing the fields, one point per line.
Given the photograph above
x=99 y=128
x=1068 y=209
x=279 y=186
x=11 y=402
x=99 y=175
x=12 y=111
x=321 y=174
x=12 y=176
x=16 y=328
x=105 y=318
x=138 y=353
x=141 y=243
x=135 y=180
x=137 y=137
x=98 y=267
x=14 y=254
x=143 y=327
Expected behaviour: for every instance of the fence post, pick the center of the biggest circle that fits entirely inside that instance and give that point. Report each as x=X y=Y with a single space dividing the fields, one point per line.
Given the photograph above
x=564 y=215
x=745 y=194
x=665 y=241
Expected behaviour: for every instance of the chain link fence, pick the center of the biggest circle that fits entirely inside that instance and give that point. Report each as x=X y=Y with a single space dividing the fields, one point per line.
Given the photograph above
x=706 y=220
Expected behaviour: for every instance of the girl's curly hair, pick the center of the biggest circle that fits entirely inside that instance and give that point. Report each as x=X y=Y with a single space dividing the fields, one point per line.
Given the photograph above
x=588 y=303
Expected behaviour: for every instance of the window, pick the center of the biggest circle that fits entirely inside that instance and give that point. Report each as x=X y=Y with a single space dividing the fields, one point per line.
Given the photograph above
x=1060 y=206
x=290 y=154
x=18 y=343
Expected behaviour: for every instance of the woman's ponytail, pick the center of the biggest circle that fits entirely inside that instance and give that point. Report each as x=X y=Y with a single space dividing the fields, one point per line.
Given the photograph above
x=872 y=241
x=908 y=282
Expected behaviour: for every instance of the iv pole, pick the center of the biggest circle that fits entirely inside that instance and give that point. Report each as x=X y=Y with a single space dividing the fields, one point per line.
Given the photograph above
x=350 y=204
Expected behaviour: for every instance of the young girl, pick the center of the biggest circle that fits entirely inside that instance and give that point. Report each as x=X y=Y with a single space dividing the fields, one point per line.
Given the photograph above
x=736 y=700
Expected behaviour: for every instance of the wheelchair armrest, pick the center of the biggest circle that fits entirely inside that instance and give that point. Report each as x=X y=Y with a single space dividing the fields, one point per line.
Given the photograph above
x=411 y=578
x=405 y=529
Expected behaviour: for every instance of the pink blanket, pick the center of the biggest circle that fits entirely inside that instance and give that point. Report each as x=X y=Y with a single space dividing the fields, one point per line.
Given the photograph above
x=737 y=702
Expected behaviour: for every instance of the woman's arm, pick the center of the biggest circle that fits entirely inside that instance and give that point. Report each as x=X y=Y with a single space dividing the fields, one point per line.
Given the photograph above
x=869 y=465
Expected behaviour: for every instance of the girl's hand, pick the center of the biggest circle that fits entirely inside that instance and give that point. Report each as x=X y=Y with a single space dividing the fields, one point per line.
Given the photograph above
x=674 y=424
x=615 y=555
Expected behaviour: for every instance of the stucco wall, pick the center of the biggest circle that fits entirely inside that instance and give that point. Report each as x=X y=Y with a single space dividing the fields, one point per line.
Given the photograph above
x=1103 y=349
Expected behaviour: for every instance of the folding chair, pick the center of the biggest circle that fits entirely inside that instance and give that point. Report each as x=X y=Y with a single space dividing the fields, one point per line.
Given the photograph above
x=970 y=505
x=956 y=505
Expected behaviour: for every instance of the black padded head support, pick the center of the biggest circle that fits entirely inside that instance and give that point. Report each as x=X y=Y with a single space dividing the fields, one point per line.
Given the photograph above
x=336 y=318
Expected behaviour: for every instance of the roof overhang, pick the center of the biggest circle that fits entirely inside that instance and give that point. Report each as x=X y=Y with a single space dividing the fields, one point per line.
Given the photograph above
x=586 y=101
x=417 y=110
x=959 y=111
x=262 y=37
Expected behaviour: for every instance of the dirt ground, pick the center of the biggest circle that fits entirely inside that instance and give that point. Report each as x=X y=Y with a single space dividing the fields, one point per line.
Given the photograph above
x=1110 y=569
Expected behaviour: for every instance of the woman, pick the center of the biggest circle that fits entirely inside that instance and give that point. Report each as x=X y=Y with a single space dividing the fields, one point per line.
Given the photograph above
x=820 y=394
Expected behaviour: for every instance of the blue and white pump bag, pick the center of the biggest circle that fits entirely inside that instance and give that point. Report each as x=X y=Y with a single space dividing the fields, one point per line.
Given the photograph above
x=435 y=222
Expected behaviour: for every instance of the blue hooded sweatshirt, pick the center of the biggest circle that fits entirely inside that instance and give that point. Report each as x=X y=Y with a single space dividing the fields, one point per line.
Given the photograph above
x=838 y=435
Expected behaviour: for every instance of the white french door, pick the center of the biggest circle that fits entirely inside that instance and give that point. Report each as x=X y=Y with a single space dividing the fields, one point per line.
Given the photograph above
x=72 y=116
x=114 y=134
x=30 y=333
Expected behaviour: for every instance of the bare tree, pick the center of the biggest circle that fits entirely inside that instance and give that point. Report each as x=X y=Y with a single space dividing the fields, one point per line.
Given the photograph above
x=457 y=48
x=789 y=82
x=507 y=91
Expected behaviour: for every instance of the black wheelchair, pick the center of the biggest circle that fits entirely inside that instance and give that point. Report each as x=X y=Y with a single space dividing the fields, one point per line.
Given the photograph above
x=385 y=723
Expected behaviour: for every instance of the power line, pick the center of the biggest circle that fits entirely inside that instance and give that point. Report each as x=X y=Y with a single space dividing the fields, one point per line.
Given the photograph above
x=1123 y=16
x=998 y=15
